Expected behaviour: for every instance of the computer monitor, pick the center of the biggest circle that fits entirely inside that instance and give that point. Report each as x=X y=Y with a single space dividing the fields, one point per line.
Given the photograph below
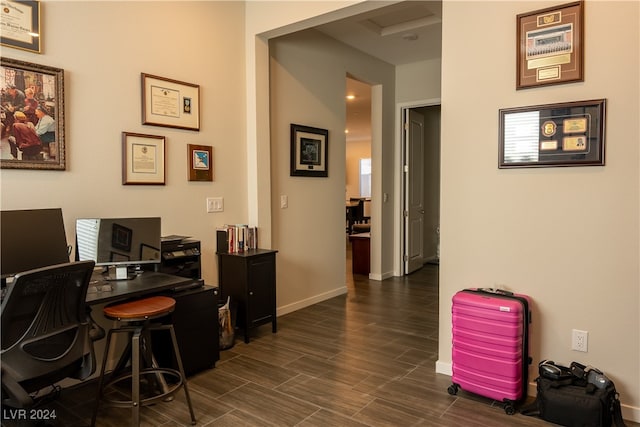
x=118 y=243
x=31 y=238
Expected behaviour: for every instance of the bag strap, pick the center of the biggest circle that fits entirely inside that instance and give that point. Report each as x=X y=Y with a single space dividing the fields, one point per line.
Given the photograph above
x=616 y=410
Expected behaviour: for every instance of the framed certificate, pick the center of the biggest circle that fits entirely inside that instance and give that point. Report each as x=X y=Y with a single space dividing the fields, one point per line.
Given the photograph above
x=170 y=103
x=550 y=46
x=567 y=134
x=20 y=25
x=143 y=159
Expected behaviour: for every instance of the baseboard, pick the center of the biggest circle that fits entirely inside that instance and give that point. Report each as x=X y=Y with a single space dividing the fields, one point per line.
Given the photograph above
x=629 y=413
x=444 y=368
x=290 y=308
x=380 y=277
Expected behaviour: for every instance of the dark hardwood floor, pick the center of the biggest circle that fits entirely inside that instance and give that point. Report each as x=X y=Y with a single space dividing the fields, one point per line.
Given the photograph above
x=363 y=359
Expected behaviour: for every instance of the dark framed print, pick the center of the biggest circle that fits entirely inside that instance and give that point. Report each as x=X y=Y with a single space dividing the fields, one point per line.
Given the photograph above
x=32 y=116
x=148 y=252
x=143 y=159
x=170 y=103
x=567 y=134
x=550 y=46
x=20 y=24
x=200 y=158
x=121 y=237
x=309 y=151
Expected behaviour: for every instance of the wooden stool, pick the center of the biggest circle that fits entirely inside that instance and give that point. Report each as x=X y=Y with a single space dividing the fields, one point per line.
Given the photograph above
x=136 y=316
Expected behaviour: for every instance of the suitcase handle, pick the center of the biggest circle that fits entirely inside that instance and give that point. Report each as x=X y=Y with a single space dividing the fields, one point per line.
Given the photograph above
x=495 y=291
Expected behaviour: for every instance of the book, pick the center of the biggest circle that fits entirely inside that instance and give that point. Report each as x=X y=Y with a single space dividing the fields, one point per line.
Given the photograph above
x=232 y=238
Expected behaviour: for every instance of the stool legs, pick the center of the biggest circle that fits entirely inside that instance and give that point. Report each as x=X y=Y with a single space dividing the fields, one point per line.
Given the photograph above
x=181 y=369
x=139 y=345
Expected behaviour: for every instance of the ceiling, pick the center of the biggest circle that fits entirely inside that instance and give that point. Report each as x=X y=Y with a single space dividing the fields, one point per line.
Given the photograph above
x=402 y=33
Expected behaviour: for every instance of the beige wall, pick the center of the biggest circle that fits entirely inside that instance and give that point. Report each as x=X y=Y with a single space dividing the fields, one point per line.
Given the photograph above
x=103 y=47
x=568 y=237
x=308 y=71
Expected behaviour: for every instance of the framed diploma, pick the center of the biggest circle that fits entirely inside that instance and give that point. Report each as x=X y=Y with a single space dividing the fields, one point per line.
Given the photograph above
x=170 y=103
x=568 y=134
x=20 y=25
x=200 y=162
x=309 y=149
x=142 y=159
x=33 y=117
x=550 y=46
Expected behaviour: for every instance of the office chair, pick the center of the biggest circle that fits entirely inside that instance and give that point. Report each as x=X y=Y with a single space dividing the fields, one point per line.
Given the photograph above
x=46 y=331
x=360 y=221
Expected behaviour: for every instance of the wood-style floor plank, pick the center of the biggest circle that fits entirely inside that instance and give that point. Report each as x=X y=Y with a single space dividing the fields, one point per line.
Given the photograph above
x=366 y=358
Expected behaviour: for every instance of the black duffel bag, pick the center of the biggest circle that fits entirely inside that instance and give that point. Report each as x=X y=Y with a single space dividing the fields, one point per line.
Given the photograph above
x=576 y=400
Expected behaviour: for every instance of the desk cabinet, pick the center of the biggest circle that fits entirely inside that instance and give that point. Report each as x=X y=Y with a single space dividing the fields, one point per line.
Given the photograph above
x=195 y=320
x=249 y=278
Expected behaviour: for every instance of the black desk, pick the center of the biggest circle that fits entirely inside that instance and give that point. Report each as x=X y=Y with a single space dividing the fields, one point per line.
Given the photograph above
x=146 y=283
x=195 y=318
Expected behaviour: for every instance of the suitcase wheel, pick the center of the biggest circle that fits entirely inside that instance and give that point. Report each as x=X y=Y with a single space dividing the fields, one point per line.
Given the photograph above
x=509 y=409
x=453 y=389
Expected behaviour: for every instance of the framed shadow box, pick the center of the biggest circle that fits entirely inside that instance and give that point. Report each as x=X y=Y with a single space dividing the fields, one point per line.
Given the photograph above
x=566 y=134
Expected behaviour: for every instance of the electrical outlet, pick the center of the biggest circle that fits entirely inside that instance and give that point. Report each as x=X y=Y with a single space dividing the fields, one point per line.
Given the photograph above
x=579 y=340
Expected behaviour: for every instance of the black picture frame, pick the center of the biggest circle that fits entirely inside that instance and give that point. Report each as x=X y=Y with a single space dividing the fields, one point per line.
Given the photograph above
x=21 y=25
x=563 y=134
x=121 y=237
x=309 y=151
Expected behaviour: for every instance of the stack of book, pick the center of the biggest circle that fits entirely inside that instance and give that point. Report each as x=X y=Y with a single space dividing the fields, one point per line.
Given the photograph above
x=236 y=238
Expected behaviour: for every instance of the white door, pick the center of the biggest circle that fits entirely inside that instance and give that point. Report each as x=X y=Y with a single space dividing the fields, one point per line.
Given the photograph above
x=414 y=191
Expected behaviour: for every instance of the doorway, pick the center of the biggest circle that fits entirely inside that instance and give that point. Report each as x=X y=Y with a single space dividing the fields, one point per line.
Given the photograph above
x=420 y=234
x=358 y=171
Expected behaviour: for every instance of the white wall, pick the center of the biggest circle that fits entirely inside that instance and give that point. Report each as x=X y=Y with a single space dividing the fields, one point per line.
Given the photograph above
x=356 y=150
x=568 y=237
x=103 y=47
x=308 y=71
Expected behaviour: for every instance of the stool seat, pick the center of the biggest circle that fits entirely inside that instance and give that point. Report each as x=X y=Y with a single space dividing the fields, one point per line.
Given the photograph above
x=147 y=308
x=145 y=377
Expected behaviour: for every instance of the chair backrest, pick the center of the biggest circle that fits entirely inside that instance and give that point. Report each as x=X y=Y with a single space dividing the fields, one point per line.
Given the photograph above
x=358 y=212
x=45 y=324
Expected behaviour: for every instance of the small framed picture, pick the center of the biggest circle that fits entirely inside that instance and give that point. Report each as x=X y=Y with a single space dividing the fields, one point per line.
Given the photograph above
x=309 y=151
x=142 y=159
x=200 y=162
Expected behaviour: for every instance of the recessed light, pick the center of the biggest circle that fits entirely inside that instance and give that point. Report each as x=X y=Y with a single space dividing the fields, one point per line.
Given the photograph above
x=350 y=97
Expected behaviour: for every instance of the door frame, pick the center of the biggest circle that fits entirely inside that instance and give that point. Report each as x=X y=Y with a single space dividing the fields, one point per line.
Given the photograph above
x=401 y=155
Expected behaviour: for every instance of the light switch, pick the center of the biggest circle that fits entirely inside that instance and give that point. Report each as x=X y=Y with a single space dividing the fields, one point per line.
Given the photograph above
x=284 y=202
x=215 y=204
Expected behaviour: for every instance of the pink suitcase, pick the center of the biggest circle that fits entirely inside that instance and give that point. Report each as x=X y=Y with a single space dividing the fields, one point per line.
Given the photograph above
x=491 y=345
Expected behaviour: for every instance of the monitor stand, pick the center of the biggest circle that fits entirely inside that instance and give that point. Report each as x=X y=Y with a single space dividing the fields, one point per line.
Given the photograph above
x=119 y=272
